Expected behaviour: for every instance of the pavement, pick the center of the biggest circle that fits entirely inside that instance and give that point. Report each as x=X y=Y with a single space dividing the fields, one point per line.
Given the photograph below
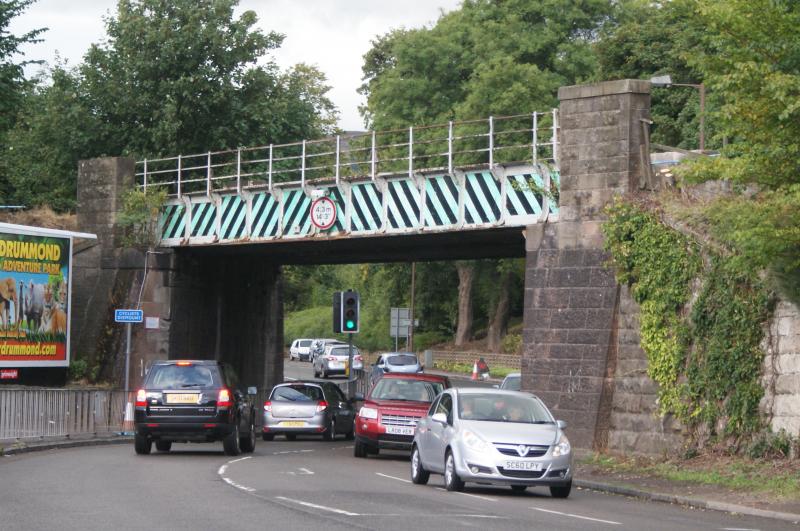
x=705 y=497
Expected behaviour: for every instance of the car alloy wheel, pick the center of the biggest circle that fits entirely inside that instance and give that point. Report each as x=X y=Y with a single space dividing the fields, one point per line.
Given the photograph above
x=451 y=479
x=330 y=433
x=231 y=442
x=419 y=476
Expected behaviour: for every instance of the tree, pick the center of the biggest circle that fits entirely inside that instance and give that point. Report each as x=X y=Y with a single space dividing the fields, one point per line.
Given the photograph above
x=466 y=281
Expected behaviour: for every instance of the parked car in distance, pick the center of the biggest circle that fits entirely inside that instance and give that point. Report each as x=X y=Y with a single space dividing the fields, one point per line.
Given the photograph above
x=511 y=382
x=403 y=362
x=318 y=347
x=492 y=436
x=389 y=416
x=300 y=350
x=306 y=407
x=194 y=401
x=334 y=360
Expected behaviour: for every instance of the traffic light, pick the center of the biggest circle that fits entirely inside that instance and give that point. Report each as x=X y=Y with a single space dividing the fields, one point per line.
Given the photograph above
x=346 y=306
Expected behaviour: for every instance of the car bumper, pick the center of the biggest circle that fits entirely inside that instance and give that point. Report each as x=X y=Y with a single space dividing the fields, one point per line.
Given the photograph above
x=478 y=467
x=386 y=441
x=184 y=431
x=311 y=425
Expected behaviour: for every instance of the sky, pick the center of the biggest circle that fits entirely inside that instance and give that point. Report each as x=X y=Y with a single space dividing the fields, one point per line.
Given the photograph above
x=331 y=34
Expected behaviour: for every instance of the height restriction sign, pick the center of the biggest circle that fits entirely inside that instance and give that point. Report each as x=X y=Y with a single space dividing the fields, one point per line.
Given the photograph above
x=323 y=213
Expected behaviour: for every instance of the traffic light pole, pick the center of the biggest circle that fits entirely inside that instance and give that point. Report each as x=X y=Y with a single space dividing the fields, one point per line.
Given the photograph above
x=351 y=383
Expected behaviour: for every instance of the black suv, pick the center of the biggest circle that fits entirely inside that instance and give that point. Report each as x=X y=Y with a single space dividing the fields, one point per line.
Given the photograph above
x=194 y=401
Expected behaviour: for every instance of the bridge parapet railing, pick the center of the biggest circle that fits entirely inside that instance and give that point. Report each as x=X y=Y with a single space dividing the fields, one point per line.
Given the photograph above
x=491 y=141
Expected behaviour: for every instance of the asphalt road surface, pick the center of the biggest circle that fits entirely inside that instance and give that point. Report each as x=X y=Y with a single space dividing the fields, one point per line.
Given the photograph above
x=304 y=484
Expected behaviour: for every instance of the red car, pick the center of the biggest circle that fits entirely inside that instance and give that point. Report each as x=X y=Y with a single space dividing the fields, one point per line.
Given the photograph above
x=389 y=416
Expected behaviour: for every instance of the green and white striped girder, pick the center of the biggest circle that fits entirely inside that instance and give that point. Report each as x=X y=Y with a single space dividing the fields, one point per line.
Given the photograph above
x=433 y=202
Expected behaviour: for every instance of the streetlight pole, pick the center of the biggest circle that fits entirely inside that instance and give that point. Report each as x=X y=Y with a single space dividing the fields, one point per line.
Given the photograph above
x=666 y=81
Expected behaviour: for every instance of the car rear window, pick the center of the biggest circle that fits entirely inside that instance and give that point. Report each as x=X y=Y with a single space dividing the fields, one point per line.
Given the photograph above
x=297 y=393
x=304 y=343
x=343 y=351
x=511 y=383
x=182 y=376
x=402 y=359
x=405 y=389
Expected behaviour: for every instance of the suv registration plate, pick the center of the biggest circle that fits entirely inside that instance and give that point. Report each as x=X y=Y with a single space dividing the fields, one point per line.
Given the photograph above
x=523 y=465
x=400 y=430
x=182 y=398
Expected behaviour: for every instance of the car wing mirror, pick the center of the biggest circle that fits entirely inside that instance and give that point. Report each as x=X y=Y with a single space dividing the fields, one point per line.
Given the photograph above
x=441 y=418
x=252 y=390
x=562 y=424
x=358 y=397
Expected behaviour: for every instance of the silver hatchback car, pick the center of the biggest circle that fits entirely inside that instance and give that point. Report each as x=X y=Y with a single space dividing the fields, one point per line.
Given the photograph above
x=334 y=361
x=315 y=408
x=492 y=436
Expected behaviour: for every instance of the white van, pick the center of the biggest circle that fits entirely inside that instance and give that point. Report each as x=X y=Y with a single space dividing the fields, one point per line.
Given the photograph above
x=300 y=350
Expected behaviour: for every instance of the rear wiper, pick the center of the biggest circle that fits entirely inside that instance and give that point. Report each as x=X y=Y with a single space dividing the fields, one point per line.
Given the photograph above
x=191 y=385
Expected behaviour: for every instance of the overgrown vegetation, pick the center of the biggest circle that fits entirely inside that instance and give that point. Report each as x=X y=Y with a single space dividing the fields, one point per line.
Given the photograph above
x=707 y=359
x=139 y=217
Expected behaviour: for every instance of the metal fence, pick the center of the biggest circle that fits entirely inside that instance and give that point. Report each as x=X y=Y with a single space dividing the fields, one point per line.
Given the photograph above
x=40 y=413
x=495 y=140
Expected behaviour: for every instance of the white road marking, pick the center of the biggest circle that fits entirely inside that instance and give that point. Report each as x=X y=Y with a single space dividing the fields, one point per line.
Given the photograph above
x=236 y=485
x=577 y=516
x=291 y=452
x=240 y=459
x=222 y=469
x=471 y=495
x=316 y=506
x=306 y=471
x=738 y=529
x=392 y=477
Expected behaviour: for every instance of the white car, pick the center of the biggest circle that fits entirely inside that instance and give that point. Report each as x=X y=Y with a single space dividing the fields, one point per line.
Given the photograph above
x=300 y=350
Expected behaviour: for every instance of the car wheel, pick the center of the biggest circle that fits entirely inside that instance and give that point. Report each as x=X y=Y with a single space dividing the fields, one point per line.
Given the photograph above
x=562 y=491
x=163 y=446
x=330 y=433
x=142 y=444
x=519 y=488
x=419 y=476
x=324 y=374
x=231 y=442
x=316 y=372
x=248 y=442
x=451 y=480
x=291 y=436
x=268 y=436
x=359 y=449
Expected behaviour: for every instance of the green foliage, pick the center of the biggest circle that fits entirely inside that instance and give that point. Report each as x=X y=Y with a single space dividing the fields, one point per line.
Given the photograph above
x=707 y=364
x=771 y=445
x=78 y=369
x=139 y=217
x=512 y=344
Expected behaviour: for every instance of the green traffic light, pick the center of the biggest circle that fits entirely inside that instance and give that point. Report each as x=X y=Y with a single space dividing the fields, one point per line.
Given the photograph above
x=350 y=325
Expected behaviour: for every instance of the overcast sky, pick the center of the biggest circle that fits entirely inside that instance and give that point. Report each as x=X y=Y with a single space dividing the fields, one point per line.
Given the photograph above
x=332 y=34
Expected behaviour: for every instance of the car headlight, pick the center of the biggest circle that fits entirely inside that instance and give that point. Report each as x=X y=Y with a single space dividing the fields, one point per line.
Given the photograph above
x=474 y=441
x=562 y=446
x=368 y=413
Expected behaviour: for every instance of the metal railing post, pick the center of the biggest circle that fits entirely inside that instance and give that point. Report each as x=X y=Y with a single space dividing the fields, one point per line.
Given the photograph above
x=555 y=136
x=338 y=147
x=411 y=151
x=491 y=142
x=450 y=147
x=208 y=174
x=535 y=137
x=179 y=175
x=303 y=166
x=239 y=170
x=269 y=168
x=145 y=176
x=374 y=156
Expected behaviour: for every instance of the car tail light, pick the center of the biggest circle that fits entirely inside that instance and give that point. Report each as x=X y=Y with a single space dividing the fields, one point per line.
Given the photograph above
x=331 y=358
x=321 y=406
x=224 y=398
x=359 y=358
x=141 y=398
x=267 y=406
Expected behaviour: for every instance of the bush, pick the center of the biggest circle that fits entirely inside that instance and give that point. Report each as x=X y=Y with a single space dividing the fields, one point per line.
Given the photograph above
x=512 y=343
x=770 y=445
x=78 y=369
x=426 y=340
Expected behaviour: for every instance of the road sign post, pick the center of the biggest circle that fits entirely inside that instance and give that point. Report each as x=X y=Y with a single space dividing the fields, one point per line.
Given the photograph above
x=128 y=317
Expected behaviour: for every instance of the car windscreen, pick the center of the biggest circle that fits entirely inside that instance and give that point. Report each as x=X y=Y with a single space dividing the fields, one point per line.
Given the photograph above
x=502 y=408
x=296 y=393
x=410 y=390
x=511 y=383
x=182 y=376
x=402 y=359
x=304 y=343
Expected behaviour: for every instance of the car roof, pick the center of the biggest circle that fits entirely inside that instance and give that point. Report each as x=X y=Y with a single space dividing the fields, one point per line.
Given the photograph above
x=193 y=362
x=491 y=391
x=399 y=354
x=415 y=376
x=514 y=375
x=301 y=382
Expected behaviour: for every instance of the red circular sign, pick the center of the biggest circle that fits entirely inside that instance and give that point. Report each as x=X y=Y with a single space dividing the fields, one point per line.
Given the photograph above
x=323 y=213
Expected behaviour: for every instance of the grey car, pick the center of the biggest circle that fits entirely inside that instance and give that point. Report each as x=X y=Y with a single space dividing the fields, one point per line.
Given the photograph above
x=402 y=362
x=334 y=361
x=495 y=437
x=512 y=382
x=310 y=408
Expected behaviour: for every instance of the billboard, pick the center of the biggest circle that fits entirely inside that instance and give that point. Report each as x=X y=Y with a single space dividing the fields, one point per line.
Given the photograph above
x=35 y=282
